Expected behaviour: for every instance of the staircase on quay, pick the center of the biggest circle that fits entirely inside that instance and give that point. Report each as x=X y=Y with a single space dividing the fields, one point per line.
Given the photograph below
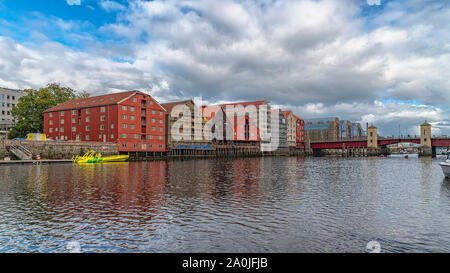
x=20 y=152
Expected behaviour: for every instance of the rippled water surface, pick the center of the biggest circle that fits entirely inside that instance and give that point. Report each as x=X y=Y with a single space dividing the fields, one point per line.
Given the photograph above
x=272 y=204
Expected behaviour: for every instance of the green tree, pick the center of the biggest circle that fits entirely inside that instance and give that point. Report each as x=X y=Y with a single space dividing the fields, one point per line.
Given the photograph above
x=29 y=111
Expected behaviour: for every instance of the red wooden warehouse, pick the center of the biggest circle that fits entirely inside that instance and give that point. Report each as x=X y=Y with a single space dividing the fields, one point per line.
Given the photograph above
x=299 y=132
x=132 y=119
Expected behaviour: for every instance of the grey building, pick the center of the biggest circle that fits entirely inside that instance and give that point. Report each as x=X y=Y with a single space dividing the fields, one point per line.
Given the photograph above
x=8 y=99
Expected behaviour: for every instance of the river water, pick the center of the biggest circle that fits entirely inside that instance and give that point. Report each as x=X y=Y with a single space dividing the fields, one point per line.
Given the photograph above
x=271 y=204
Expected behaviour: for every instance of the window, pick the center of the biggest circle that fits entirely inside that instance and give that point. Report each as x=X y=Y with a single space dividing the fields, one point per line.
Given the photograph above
x=62 y=114
x=74 y=112
x=132 y=126
x=50 y=121
x=74 y=129
x=134 y=99
x=160 y=129
x=160 y=121
x=74 y=120
x=112 y=136
x=135 y=145
x=88 y=119
x=150 y=102
x=102 y=118
x=124 y=145
x=124 y=117
x=88 y=111
x=100 y=136
x=124 y=135
x=51 y=130
x=124 y=108
x=160 y=145
x=102 y=126
x=153 y=120
x=131 y=108
x=88 y=128
x=160 y=137
x=102 y=109
x=136 y=136
x=150 y=145
x=153 y=112
x=13 y=97
x=153 y=128
x=50 y=115
x=112 y=125
x=62 y=129
x=131 y=117
x=88 y=137
x=124 y=125
x=150 y=137
x=160 y=113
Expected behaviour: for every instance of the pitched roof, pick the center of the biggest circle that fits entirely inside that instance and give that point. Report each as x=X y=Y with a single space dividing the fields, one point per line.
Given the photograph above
x=169 y=106
x=93 y=101
x=287 y=113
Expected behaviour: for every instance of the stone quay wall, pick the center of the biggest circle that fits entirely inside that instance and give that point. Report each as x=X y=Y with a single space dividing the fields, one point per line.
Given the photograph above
x=59 y=149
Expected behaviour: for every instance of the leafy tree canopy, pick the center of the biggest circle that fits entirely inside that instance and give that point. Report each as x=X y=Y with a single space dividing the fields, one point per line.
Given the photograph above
x=29 y=111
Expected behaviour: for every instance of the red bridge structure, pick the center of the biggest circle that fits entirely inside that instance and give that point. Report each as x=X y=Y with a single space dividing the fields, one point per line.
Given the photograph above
x=373 y=144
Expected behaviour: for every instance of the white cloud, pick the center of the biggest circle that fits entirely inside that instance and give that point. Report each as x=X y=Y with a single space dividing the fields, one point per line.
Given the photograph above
x=111 y=6
x=73 y=2
x=320 y=58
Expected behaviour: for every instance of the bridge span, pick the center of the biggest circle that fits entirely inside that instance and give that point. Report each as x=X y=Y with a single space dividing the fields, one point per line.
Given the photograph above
x=377 y=145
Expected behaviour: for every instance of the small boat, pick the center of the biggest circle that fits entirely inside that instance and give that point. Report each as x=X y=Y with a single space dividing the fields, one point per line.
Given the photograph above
x=382 y=156
x=93 y=157
x=406 y=156
x=446 y=166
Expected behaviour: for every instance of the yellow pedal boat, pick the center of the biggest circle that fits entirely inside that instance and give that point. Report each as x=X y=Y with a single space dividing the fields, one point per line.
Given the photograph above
x=93 y=157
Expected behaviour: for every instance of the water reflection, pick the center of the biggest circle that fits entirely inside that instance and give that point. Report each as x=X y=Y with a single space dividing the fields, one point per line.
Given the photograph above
x=285 y=204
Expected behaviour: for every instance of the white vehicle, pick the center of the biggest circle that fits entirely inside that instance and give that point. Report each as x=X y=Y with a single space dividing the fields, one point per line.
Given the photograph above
x=446 y=166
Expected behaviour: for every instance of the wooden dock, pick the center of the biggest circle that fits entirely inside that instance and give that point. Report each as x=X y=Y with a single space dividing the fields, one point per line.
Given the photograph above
x=35 y=162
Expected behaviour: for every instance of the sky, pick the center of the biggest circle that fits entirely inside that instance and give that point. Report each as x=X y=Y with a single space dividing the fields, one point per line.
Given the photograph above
x=380 y=62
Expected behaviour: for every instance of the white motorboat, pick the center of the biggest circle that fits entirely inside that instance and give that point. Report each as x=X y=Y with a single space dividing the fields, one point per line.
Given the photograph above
x=446 y=166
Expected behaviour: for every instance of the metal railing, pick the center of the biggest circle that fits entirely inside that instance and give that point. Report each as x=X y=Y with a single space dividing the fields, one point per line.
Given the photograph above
x=20 y=152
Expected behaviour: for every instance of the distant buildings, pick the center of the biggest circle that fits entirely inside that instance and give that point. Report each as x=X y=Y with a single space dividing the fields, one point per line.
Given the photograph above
x=323 y=129
x=332 y=129
x=8 y=99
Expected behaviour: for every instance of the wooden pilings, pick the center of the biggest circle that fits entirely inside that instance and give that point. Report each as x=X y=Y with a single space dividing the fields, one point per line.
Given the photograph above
x=216 y=152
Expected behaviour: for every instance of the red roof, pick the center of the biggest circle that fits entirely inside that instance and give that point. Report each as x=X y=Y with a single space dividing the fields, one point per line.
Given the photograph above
x=287 y=113
x=93 y=101
x=169 y=106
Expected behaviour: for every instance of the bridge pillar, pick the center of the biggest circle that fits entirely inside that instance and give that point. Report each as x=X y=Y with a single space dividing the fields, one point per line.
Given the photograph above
x=425 y=140
x=372 y=140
